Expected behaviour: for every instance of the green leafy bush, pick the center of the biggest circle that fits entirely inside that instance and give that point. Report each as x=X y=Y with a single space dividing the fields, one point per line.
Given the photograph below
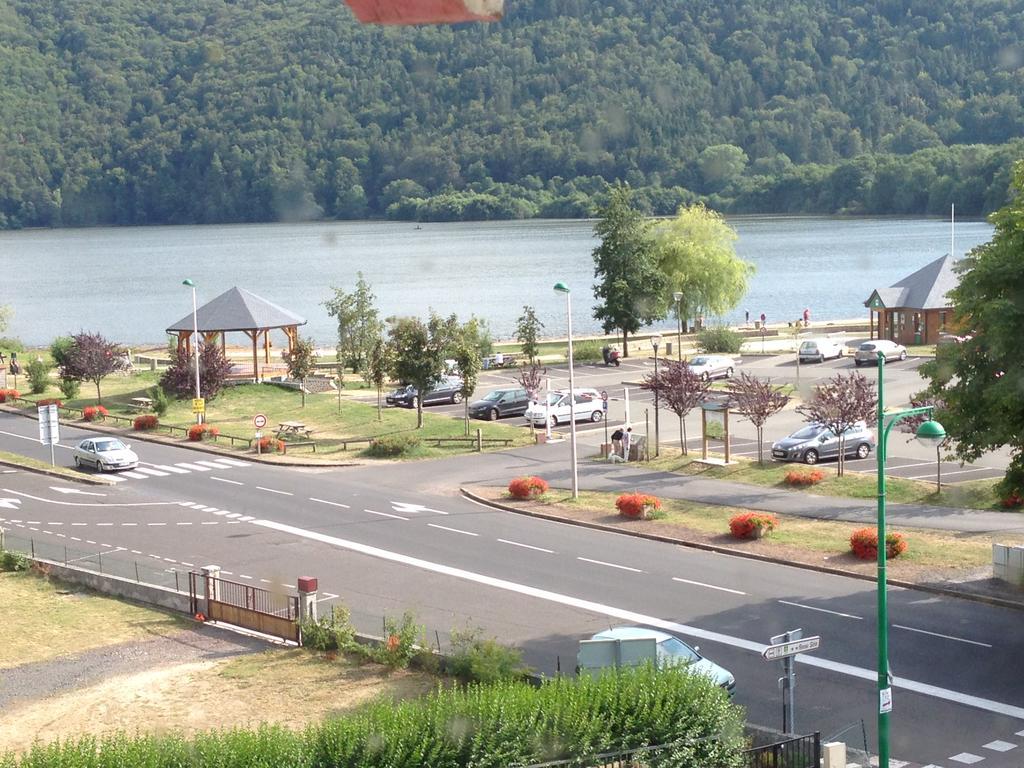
x=721 y=340
x=587 y=351
x=330 y=633
x=38 y=373
x=390 y=446
x=13 y=561
x=69 y=387
x=474 y=659
x=160 y=401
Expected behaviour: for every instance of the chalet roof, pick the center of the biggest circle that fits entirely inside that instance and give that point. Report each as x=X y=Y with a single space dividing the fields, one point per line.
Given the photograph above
x=238 y=310
x=924 y=289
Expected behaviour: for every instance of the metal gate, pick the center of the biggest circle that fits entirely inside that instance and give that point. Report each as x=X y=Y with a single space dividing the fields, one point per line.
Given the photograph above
x=799 y=752
x=244 y=605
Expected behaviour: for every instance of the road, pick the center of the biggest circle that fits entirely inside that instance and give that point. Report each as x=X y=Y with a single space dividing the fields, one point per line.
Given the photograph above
x=387 y=538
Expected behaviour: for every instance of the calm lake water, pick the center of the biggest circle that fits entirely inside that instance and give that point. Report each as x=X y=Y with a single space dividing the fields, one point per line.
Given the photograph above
x=126 y=283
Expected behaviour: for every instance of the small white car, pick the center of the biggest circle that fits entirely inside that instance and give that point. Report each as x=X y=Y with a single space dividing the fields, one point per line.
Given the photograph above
x=712 y=366
x=103 y=453
x=561 y=406
x=868 y=351
x=820 y=350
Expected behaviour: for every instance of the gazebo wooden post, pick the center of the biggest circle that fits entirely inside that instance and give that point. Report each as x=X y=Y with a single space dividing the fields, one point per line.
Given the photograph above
x=266 y=345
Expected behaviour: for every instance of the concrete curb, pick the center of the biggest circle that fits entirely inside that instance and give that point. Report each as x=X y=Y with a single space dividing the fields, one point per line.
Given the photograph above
x=84 y=479
x=945 y=592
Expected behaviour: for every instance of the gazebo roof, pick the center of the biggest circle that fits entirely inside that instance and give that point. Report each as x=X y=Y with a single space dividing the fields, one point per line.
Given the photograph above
x=924 y=289
x=238 y=310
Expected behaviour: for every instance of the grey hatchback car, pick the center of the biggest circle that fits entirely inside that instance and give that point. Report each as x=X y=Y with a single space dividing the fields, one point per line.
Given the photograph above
x=815 y=442
x=868 y=351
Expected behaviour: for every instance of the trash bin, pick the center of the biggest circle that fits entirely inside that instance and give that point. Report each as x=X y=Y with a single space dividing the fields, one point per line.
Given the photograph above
x=917 y=338
x=668 y=349
x=637 y=448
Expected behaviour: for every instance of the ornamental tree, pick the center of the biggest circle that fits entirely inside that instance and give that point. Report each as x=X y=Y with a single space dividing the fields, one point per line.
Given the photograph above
x=528 y=328
x=531 y=378
x=90 y=358
x=468 y=359
x=380 y=363
x=359 y=324
x=301 y=362
x=417 y=357
x=839 y=404
x=214 y=367
x=680 y=390
x=757 y=400
x=979 y=379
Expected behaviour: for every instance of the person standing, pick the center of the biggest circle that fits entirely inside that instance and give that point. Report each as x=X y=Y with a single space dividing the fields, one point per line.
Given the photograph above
x=617 y=441
x=627 y=438
x=807 y=317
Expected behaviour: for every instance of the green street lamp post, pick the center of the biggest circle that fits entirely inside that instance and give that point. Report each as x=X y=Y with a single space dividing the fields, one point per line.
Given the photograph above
x=678 y=297
x=195 y=340
x=656 y=342
x=929 y=433
x=561 y=287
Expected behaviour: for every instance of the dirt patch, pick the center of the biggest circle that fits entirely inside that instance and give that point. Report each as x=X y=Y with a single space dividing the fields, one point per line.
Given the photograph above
x=291 y=688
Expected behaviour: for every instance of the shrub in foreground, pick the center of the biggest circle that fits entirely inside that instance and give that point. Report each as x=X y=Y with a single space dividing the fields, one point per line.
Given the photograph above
x=269 y=445
x=94 y=413
x=752 y=525
x=9 y=394
x=720 y=340
x=145 y=422
x=391 y=446
x=528 y=487
x=199 y=432
x=802 y=477
x=639 y=506
x=475 y=659
x=864 y=544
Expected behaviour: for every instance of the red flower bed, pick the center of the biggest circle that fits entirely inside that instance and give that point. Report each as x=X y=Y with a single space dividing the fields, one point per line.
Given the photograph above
x=144 y=422
x=269 y=445
x=802 y=477
x=6 y=394
x=1012 y=501
x=752 y=525
x=527 y=487
x=49 y=401
x=864 y=544
x=637 y=505
x=198 y=432
x=94 y=413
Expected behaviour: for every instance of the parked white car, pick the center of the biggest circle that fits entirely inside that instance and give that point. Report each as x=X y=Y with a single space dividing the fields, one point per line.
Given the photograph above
x=868 y=351
x=820 y=350
x=561 y=406
x=712 y=366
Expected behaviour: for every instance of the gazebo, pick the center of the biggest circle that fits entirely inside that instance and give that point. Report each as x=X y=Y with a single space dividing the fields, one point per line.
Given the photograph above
x=238 y=310
x=916 y=309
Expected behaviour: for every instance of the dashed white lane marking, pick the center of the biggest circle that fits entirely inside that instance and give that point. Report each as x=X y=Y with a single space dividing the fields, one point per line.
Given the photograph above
x=207 y=509
x=155 y=524
x=709 y=586
x=134 y=475
x=274 y=490
x=183 y=523
x=209 y=522
x=187 y=565
x=331 y=503
x=246 y=518
x=967 y=758
x=1019 y=733
x=103 y=524
x=527 y=546
x=385 y=514
x=225 y=480
x=453 y=530
x=128 y=525
x=822 y=610
x=218 y=512
x=192 y=467
x=234 y=515
x=153 y=472
x=243 y=576
x=999 y=746
x=171 y=469
x=945 y=637
x=134 y=551
x=610 y=565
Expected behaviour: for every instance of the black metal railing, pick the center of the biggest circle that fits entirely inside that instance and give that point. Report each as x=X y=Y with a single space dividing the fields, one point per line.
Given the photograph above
x=798 y=752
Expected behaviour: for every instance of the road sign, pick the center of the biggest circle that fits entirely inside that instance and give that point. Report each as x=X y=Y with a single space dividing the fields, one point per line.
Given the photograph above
x=49 y=427
x=198 y=405
x=259 y=421
x=782 y=650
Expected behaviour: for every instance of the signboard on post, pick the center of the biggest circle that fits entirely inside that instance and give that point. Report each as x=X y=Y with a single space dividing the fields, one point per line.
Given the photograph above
x=49 y=428
x=198 y=405
x=259 y=421
x=782 y=650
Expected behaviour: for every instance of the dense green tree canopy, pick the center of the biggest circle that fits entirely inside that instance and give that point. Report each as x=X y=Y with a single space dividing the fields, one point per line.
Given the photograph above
x=167 y=111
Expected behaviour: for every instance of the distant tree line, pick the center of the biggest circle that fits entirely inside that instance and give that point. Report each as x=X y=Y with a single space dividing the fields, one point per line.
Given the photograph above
x=143 y=112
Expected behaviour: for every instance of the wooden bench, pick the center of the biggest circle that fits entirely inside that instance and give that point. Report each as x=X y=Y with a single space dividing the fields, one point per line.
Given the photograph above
x=285 y=444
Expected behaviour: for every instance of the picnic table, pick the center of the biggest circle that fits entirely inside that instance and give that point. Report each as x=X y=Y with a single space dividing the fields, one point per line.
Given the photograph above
x=286 y=428
x=142 y=403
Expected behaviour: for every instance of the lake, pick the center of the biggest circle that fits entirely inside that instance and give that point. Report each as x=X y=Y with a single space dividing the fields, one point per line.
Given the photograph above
x=126 y=282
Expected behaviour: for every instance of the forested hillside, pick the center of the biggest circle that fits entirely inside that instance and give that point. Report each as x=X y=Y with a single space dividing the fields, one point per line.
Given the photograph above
x=165 y=111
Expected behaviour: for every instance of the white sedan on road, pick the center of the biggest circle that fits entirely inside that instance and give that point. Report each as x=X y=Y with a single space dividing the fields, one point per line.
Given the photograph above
x=712 y=366
x=104 y=453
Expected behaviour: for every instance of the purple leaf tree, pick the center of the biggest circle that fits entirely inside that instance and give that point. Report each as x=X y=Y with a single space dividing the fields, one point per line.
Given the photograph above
x=757 y=400
x=680 y=390
x=90 y=358
x=839 y=404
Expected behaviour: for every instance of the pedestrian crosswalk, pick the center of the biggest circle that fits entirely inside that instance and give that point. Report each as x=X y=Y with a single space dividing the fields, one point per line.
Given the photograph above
x=146 y=471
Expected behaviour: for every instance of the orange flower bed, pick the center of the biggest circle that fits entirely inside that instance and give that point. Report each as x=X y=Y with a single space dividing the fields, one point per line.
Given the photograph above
x=527 y=487
x=752 y=525
x=864 y=544
x=637 y=505
x=802 y=477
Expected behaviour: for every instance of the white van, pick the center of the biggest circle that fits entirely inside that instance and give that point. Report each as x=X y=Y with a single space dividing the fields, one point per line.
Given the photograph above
x=820 y=350
x=583 y=404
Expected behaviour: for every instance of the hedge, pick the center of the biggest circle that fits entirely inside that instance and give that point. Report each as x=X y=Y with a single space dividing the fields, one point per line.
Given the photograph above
x=527 y=487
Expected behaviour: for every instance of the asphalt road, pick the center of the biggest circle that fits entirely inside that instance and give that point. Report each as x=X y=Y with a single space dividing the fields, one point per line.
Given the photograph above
x=387 y=538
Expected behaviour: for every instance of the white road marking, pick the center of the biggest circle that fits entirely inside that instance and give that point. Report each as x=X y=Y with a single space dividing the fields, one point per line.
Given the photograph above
x=184 y=523
x=122 y=524
x=134 y=475
x=152 y=524
x=931 y=475
x=634 y=617
x=192 y=467
x=234 y=515
x=709 y=586
x=187 y=565
x=453 y=530
x=243 y=576
x=58 y=489
x=274 y=490
x=225 y=480
x=967 y=758
x=1019 y=733
x=211 y=464
x=527 y=546
x=386 y=514
x=610 y=565
x=999 y=746
x=218 y=512
x=103 y=524
x=407 y=508
x=79 y=523
x=235 y=462
x=945 y=637
x=168 y=468
x=105 y=505
x=331 y=503
x=116 y=479
x=207 y=509
x=209 y=522
x=246 y=518
x=153 y=472
x=822 y=610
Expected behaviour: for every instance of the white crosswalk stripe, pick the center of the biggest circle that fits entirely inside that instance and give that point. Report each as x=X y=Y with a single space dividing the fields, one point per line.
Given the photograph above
x=212 y=464
x=193 y=467
x=168 y=468
x=134 y=475
x=236 y=462
x=153 y=472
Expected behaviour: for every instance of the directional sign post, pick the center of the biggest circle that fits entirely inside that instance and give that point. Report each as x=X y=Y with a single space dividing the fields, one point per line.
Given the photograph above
x=259 y=421
x=604 y=405
x=784 y=647
x=784 y=650
x=49 y=428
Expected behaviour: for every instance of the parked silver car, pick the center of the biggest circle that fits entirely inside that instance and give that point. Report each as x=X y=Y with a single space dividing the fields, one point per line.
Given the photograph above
x=868 y=351
x=104 y=453
x=712 y=366
x=815 y=442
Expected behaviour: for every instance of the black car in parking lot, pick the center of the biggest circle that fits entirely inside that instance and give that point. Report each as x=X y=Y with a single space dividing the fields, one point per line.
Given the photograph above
x=499 y=403
x=447 y=390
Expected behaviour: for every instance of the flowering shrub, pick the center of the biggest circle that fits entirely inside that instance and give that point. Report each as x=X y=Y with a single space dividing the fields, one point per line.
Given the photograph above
x=6 y=394
x=269 y=445
x=801 y=477
x=752 y=525
x=49 y=401
x=864 y=544
x=199 y=431
x=94 y=413
x=144 y=422
x=527 y=487
x=1010 y=502
x=637 y=505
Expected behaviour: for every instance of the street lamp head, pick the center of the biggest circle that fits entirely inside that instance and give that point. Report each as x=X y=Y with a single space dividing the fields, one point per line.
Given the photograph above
x=931 y=433
x=189 y=283
x=656 y=340
x=678 y=296
x=561 y=287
